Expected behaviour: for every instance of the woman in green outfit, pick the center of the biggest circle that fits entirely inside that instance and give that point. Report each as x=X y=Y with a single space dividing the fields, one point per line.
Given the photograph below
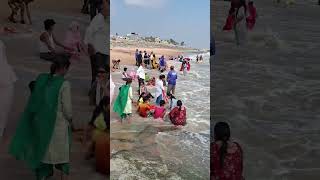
x=42 y=137
x=123 y=103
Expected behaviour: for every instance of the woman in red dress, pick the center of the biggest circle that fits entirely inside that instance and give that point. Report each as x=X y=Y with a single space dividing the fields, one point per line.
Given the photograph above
x=178 y=115
x=226 y=157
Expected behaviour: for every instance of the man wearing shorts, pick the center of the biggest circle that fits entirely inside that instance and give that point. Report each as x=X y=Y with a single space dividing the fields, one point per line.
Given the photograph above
x=172 y=80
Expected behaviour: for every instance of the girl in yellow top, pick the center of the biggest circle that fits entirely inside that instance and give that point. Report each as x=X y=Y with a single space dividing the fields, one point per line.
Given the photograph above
x=99 y=124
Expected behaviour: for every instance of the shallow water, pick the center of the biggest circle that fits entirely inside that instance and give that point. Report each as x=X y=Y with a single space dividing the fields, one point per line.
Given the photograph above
x=184 y=152
x=192 y=143
x=269 y=91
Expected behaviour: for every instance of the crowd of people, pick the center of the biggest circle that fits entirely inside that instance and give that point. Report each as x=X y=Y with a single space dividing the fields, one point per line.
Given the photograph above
x=45 y=145
x=162 y=105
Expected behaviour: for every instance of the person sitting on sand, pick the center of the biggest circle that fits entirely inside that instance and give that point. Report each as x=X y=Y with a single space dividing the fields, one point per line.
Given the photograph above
x=116 y=64
x=159 y=111
x=48 y=41
x=226 y=156
x=21 y=5
x=145 y=108
x=178 y=115
x=123 y=104
x=99 y=124
x=74 y=41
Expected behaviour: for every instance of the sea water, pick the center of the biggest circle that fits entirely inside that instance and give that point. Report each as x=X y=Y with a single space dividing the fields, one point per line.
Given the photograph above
x=187 y=151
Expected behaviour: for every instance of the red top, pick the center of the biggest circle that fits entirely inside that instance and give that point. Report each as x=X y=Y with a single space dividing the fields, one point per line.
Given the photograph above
x=177 y=117
x=232 y=166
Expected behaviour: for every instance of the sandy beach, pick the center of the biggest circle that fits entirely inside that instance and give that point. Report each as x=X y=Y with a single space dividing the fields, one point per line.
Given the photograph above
x=22 y=52
x=126 y=55
x=269 y=90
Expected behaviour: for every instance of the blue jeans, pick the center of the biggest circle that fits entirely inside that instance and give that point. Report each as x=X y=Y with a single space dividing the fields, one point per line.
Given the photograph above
x=159 y=98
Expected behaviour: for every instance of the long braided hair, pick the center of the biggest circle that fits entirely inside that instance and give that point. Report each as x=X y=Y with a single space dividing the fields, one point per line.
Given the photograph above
x=222 y=133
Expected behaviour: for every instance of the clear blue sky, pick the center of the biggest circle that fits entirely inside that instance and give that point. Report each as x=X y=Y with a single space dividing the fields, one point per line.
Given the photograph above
x=181 y=20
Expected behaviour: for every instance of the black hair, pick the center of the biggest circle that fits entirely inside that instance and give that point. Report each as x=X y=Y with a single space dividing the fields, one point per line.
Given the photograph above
x=32 y=85
x=222 y=133
x=101 y=108
x=141 y=95
x=48 y=23
x=60 y=61
x=179 y=104
x=162 y=102
x=146 y=98
x=125 y=69
x=162 y=76
x=172 y=67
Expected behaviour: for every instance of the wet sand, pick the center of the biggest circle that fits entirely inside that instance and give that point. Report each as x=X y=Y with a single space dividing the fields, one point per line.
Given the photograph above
x=22 y=52
x=272 y=96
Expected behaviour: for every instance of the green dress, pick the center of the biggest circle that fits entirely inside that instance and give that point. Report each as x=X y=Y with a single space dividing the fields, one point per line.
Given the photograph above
x=122 y=101
x=42 y=137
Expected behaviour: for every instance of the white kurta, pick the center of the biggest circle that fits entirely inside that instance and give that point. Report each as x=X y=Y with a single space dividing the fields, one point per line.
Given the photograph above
x=59 y=149
x=128 y=108
x=7 y=80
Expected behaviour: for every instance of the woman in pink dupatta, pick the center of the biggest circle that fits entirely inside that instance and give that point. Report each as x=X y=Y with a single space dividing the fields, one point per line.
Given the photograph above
x=74 y=41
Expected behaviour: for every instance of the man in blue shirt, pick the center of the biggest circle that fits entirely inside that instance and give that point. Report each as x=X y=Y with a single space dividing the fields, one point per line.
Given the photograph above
x=172 y=80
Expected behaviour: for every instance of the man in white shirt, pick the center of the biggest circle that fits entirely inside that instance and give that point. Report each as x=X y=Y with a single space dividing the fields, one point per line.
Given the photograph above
x=141 y=75
x=97 y=39
x=159 y=89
